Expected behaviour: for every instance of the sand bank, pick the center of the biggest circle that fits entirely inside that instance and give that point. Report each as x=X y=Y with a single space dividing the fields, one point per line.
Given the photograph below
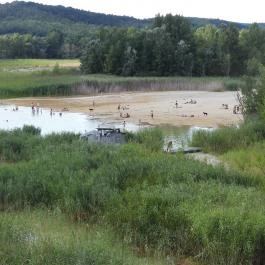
x=139 y=106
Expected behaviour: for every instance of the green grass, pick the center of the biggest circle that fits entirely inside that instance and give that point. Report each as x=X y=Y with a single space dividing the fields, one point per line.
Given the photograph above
x=67 y=83
x=43 y=237
x=43 y=78
x=30 y=64
x=250 y=159
x=27 y=84
x=153 y=201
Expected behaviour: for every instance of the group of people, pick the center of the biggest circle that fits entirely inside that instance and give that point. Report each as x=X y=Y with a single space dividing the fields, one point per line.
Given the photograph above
x=236 y=109
x=53 y=113
x=191 y=102
x=35 y=108
x=125 y=115
x=122 y=109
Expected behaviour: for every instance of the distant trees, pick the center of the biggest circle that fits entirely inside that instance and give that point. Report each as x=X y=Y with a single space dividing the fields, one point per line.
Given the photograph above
x=22 y=46
x=173 y=47
x=170 y=46
x=54 y=45
x=166 y=49
x=218 y=51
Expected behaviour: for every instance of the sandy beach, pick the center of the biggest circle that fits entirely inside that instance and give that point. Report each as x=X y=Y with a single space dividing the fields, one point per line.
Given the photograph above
x=139 y=106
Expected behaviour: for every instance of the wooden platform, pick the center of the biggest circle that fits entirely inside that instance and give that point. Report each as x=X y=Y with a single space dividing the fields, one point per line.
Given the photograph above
x=186 y=150
x=190 y=150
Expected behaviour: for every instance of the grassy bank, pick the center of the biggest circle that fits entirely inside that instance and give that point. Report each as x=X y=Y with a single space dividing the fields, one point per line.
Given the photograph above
x=21 y=78
x=250 y=159
x=240 y=147
x=52 y=84
x=154 y=202
x=16 y=65
x=230 y=138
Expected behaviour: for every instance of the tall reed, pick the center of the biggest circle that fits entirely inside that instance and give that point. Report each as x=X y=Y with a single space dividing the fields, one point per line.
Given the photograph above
x=153 y=200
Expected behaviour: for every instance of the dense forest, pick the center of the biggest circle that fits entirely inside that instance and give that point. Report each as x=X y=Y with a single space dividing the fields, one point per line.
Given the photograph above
x=165 y=45
x=173 y=47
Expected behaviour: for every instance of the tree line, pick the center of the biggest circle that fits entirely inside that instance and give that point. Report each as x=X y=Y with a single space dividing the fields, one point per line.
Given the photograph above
x=54 y=45
x=173 y=47
x=170 y=47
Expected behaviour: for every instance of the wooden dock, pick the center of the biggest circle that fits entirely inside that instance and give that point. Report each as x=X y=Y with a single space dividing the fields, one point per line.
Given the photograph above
x=186 y=150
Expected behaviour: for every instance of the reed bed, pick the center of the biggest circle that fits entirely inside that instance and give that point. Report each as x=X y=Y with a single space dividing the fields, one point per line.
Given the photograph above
x=155 y=202
x=69 y=81
x=229 y=138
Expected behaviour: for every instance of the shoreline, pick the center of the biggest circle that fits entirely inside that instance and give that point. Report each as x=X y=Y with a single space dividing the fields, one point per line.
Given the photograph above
x=206 y=112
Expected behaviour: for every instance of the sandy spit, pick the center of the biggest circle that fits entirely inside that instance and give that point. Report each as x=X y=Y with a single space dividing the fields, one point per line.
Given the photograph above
x=139 y=106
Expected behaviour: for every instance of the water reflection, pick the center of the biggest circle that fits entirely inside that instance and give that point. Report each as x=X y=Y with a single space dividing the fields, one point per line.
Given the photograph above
x=50 y=121
x=180 y=136
x=55 y=122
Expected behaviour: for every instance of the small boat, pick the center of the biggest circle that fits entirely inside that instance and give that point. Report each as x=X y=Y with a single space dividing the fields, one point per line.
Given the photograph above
x=105 y=135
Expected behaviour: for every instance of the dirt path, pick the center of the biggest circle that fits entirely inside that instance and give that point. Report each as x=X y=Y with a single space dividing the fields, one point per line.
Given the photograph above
x=139 y=106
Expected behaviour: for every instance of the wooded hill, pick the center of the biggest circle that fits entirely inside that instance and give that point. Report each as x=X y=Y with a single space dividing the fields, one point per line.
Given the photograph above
x=37 y=19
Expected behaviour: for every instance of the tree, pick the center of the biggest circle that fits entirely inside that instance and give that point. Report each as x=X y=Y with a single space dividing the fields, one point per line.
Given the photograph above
x=184 y=59
x=164 y=52
x=92 y=60
x=115 y=51
x=129 y=67
x=233 y=49
x=209 y=60
x=54 y=43
x=253 y=94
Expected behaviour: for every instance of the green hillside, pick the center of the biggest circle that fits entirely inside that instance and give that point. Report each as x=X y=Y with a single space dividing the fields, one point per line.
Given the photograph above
x=38 y=19
x=28 y=17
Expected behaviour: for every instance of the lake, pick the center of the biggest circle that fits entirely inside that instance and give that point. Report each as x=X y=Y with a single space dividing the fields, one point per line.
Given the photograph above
x=80 y=123
x=54 y=123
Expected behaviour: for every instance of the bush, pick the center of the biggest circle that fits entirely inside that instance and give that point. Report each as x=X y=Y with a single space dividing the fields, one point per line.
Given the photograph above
x=152 y=138
x=29 y=129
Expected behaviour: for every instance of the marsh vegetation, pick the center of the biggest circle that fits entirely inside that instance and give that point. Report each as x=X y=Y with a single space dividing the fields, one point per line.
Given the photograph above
x=67 y=201
x=21 y=78
x=155 y=202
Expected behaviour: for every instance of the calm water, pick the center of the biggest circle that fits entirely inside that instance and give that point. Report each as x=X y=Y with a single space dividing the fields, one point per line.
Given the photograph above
x=68 y=122
x=81 y=123
x=180 y=136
